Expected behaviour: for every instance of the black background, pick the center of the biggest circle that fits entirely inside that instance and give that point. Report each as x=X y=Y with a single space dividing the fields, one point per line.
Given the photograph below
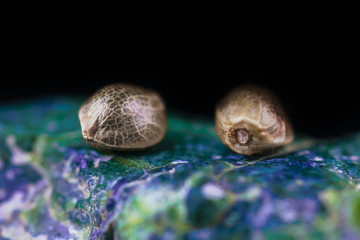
x=319 y=88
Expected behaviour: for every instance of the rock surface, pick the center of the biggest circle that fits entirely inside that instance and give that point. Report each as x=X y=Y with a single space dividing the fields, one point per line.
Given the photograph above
x=190 y=186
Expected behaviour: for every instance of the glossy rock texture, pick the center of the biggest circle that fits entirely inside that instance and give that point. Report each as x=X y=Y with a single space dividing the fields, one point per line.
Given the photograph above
x=190 y=186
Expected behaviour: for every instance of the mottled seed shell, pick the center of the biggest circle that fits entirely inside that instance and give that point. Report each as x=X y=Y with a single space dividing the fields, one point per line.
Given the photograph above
x=251 y=120
x=123 y=117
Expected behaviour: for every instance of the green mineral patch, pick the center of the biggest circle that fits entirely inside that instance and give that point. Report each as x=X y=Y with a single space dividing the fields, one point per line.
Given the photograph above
x=53 y=185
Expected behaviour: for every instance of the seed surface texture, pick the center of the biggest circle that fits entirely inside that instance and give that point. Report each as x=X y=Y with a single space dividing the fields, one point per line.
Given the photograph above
x=123 y=117
x=250 y=120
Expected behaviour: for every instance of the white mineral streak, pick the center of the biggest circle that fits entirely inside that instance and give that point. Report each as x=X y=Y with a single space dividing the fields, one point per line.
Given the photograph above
x=101 y=159
x=17 y=231
x=157 y=200
x=249 y=194
x=18 y=156
x=263 y=213
x=319 y=159
x=16 y=202
x=303 y=153
x=77 y=233
x=19 y=200
x=286 y=210
x=68 y=169
x=212 y=191
x=67 y=174
x=84 y=188
x=177 y=161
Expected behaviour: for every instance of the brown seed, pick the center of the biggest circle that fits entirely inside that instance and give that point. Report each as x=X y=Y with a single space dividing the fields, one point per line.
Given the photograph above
x=251 y=120
x=123 y=117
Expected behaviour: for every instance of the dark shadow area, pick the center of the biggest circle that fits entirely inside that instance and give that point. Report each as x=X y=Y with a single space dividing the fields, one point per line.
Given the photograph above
x=318 y=90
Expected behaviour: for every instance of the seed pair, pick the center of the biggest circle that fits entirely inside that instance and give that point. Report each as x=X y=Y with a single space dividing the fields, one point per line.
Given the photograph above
x=121 y=117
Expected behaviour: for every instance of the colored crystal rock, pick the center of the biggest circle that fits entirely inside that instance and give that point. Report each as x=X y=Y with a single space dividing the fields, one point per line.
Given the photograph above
x=190 y=186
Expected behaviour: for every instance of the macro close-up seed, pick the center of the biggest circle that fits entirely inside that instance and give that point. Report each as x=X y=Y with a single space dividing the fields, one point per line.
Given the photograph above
x=250 y=120
x=123 y=117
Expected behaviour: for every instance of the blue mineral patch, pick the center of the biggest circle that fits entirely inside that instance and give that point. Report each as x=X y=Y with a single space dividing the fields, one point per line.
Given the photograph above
x=53 y=185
